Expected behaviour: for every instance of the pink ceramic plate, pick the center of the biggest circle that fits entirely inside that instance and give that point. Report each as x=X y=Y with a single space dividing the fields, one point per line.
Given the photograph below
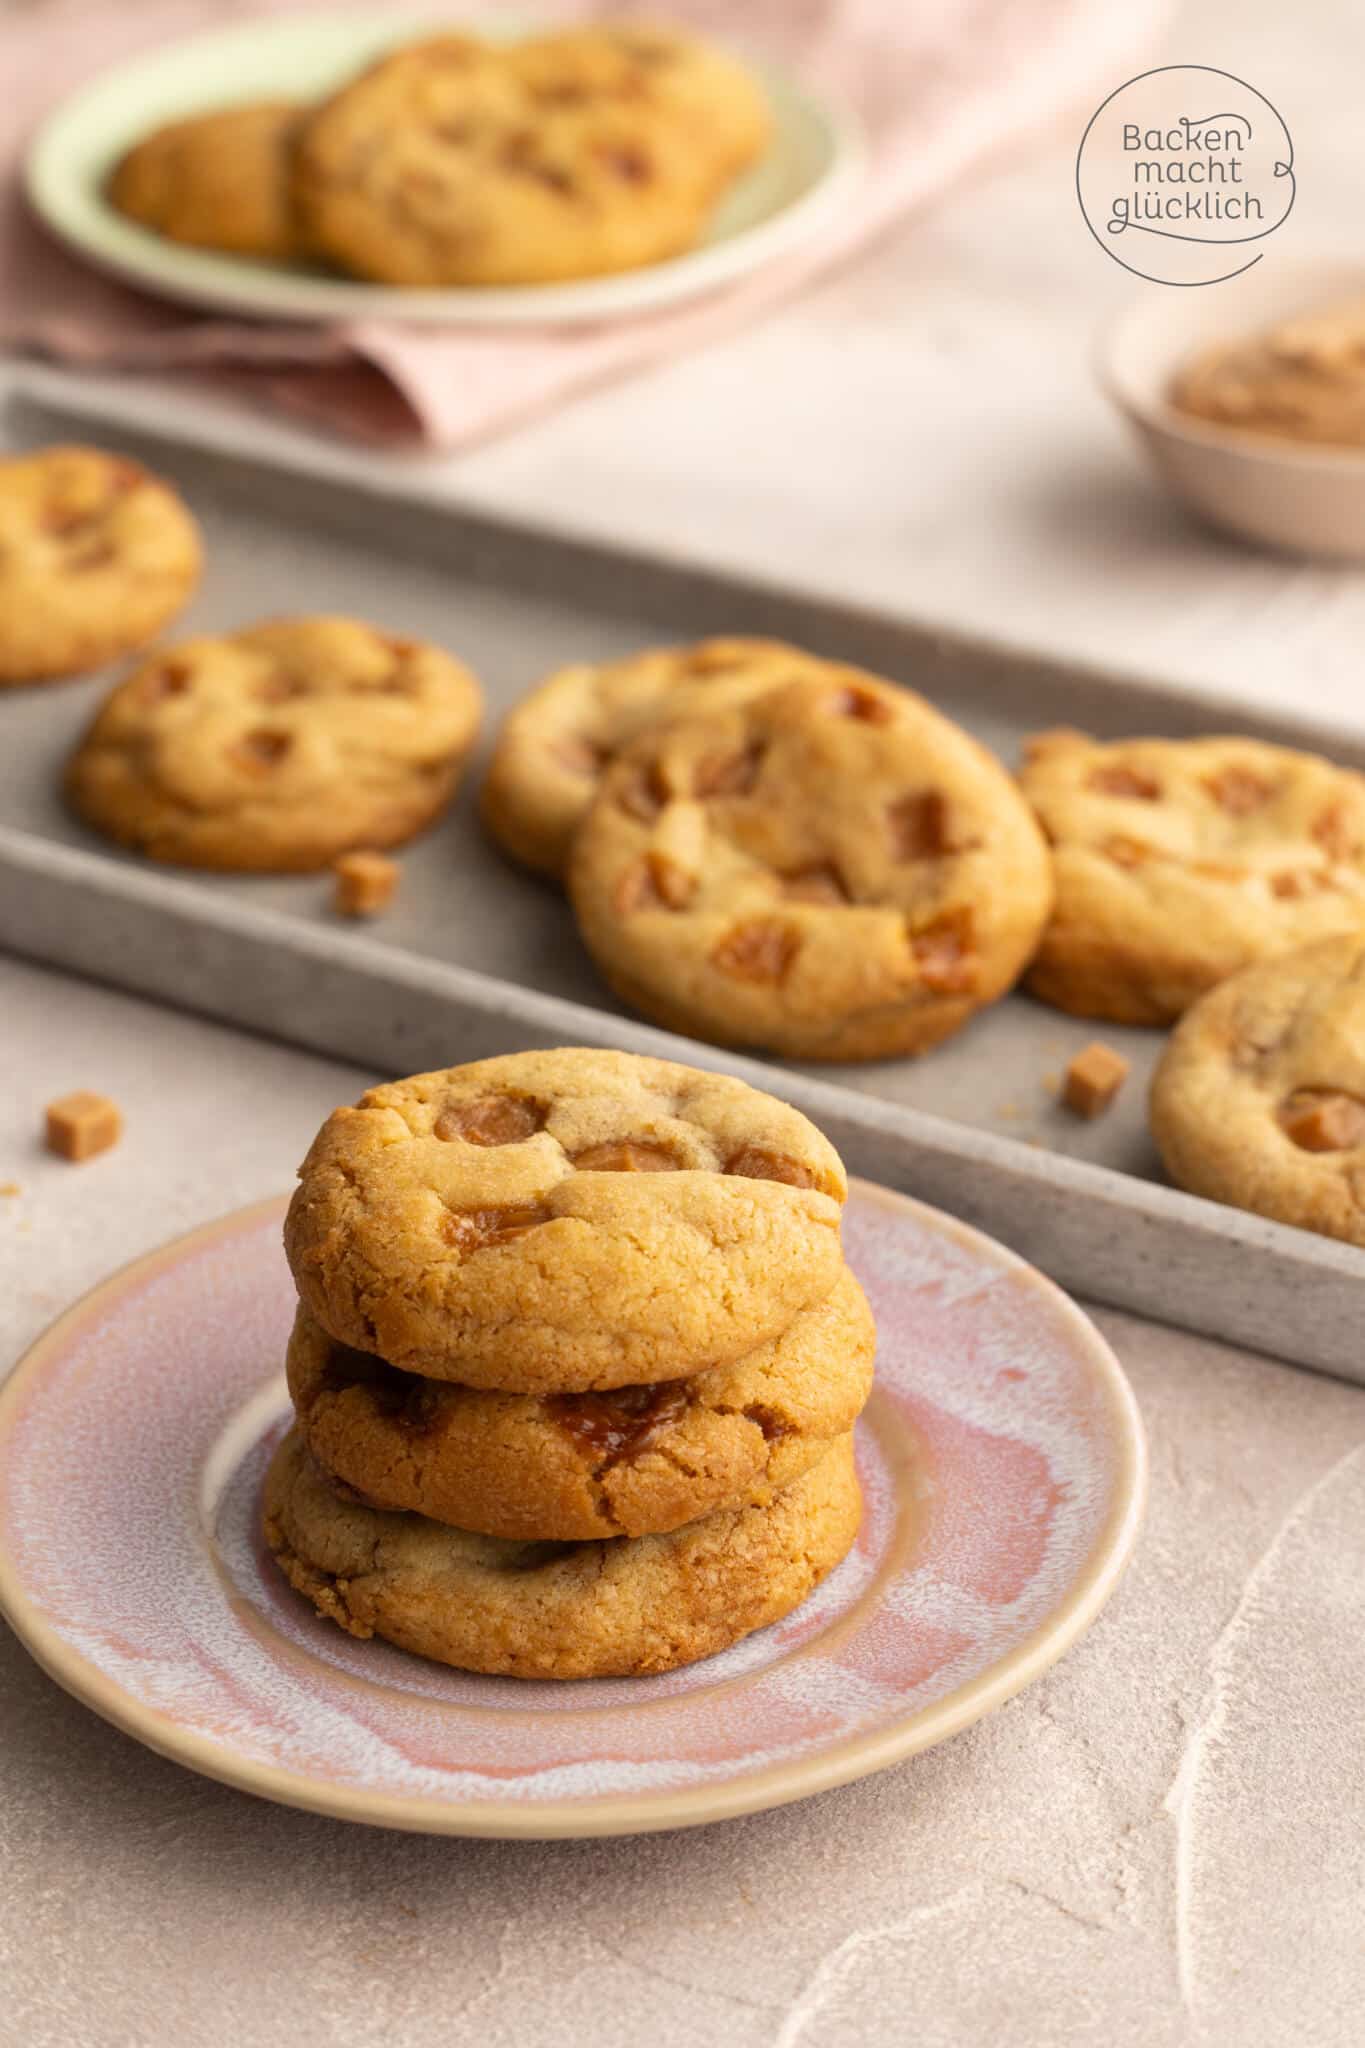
x=1002 y=1462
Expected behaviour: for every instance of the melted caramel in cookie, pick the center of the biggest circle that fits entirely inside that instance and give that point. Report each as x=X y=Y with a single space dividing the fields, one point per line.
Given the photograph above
x=618 y=1425
x=401 y=1397
x=1323 y=1119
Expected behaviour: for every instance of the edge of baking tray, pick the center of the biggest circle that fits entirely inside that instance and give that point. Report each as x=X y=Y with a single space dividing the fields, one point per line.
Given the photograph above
x=1128 y=1243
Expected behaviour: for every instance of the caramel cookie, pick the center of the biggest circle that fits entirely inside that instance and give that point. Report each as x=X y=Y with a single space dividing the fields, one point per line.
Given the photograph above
x=457 y=162
x=630 y=1462
x=1259 y=1099
x=95 y=556
x=553 y=747
x=558 y=1610
x=1303 y=380
x=216 y=181
x=1177 y=862
x=833 y=871
x=554 y=1222
x=278 y=748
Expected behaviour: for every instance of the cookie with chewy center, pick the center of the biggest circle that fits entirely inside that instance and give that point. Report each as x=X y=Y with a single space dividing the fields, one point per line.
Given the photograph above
x=558 y=1610
x=96 y=555
x=218 y=180
x=556 y=1222
x=555 y=745
x=1178 y=862
x=1259 y=1098
x=277 y=748
x=833 y=871
x=629 y=1462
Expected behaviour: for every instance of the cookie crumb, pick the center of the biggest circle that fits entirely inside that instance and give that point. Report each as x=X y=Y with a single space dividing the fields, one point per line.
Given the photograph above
x=1093 y=1079
x=365 y=883
x=81 y=1125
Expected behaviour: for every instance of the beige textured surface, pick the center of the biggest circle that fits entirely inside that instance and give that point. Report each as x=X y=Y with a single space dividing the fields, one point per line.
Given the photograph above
x=1158 y=1846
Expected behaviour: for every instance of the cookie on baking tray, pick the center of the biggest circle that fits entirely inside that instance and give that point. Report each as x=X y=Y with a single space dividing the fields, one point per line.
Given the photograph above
x=553 y=747
x=96 y=554
x=277 y=748
x=218 y=180
x=551 y=1222
x=558 y=1610
x=1177 y=862
x=1259 y=1099
x=832 y=871
x=630 y=1462
x=459 y=162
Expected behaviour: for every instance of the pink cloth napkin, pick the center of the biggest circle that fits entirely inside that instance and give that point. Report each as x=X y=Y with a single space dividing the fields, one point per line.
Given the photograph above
x=938 y=86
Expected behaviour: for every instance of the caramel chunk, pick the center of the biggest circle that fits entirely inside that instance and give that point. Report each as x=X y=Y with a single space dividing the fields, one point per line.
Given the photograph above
x=626 y=1155
x=1238 y=790
x=945 y=953
x=493 y=1120
x=365 y=883
x=864 y=705
x=918 y=825
x=755 y=1162
x=823 y=884
x=472 y=1230
x=619 y=1424
x=757 y=951
x=1323 y=1120
x=1093 y=1079
x=1114 y=779
x=261 y=749
x=81 y=1125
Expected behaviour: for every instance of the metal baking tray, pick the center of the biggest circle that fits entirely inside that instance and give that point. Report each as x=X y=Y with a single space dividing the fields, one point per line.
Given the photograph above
x=478 y=957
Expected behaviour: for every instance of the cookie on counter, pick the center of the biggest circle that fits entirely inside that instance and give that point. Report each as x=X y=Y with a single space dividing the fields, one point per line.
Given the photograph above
x=459 y=162
x=553 y=747
x=220 y=180
x=1177 y=862
x=277 y=748
x=631 y=1462
x=558 y=1610
x=96 y=555
x=833 y=871
x=566 y=1221
x=1259 y=1099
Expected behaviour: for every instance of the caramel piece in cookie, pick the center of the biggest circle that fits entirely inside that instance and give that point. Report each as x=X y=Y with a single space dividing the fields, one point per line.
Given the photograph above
x=1178 y=862
x=1259 y=1099
x=627 y=1462
x=278 y=748
x=1302 y=380
x=554 y=746
x=220 y=180
x=457 y=162
x=96 y=555
x=82 y=1125
x=832 y=871
x=558 y=1610
x=490 y=1224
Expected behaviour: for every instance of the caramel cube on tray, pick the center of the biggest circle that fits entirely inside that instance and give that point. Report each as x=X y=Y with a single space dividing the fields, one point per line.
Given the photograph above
x=82 y=1125
x=365 y=883
x=1093 y=1079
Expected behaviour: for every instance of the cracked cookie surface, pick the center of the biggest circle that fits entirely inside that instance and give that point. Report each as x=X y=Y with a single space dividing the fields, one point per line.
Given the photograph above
x=1259 y=1099
x=558 y=1610
x=554 y=746
x=459 y=162
x=833 y=871
x=631 y=1462
x=562 y=1221
x=1177 y=862
x=277 y=748
x=96 y=554
x=219 y=180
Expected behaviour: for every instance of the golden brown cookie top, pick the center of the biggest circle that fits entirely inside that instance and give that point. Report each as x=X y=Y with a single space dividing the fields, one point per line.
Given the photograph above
x=1303 y=379
x=564 y=1220
x=554 y=746
x=1260 y=1097
x=1180 y=861
x=218 y=180
x=95 y=555
x=279 y=746
x=833 y=870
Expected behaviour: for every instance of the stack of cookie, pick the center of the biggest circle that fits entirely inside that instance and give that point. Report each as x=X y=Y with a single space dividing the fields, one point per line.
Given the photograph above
x=575 y=1369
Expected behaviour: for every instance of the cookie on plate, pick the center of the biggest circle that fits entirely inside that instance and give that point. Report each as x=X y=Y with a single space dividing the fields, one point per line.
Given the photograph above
x=220 y=180
x=555 y=1222
x=276 y=749
x=96 y=554
x=631 y=1462
x=458 y=162
x=558 y=1610
x=1259 y=1099
x=833 y=871
x=553 y=747
x=1177 y=862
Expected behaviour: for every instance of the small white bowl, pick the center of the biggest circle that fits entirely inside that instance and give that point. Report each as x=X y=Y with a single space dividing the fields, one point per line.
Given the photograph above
x=1283 y=493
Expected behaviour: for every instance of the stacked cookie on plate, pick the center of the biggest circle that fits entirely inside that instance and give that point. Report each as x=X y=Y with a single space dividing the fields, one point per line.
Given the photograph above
x=575 y=1369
